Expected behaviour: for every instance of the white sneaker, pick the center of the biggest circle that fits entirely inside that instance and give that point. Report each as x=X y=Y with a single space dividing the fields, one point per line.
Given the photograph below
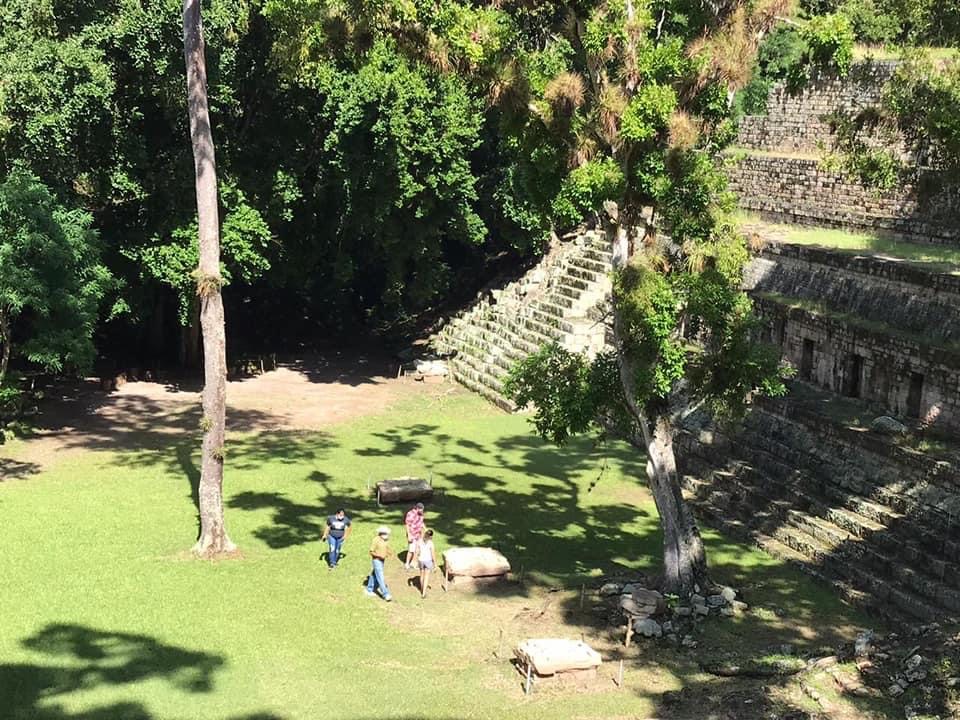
x=369 y=593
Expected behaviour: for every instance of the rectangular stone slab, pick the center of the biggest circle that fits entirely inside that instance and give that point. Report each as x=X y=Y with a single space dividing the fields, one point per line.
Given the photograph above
x=403 y=489
x=549 y=656
x=475 y=562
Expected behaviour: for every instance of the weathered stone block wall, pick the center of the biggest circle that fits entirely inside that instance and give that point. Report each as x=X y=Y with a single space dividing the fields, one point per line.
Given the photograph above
x=896 y=374
x=797 y=190
x=906 y=297
x=794 y=121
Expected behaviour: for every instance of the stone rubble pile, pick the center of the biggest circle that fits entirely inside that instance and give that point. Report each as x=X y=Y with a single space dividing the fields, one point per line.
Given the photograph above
x=654 y=615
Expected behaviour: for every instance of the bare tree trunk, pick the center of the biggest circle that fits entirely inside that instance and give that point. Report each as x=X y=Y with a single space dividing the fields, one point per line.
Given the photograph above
x=213 y=533
x=6 y=340
x=684 y=558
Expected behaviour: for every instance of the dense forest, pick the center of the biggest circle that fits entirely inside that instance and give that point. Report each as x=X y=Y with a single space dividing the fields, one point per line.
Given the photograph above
x=376 y=159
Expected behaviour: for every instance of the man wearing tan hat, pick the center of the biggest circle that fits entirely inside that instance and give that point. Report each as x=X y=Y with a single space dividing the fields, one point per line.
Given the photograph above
x=379 y=552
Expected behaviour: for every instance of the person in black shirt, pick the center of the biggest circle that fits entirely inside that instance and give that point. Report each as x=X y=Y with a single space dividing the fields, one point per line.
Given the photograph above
x=336 y=533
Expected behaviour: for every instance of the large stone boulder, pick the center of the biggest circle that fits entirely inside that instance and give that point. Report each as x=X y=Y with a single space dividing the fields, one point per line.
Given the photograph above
x=886 y=425
x=475 y=562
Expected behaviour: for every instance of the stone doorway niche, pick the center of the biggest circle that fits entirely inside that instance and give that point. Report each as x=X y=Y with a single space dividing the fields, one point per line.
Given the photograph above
x=806 y=360
x=853 y=377
x=915 y=395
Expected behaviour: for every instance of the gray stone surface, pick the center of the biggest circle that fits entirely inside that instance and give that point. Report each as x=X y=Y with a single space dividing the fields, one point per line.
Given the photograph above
x=886 y=425
x=800 y=190
x=648 y=628
x=796 y=121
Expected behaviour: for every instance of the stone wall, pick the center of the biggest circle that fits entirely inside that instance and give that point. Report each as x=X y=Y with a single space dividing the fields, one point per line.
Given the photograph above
x=798 y=190
x=905 y=297
x=898 y=375
x=795 y=121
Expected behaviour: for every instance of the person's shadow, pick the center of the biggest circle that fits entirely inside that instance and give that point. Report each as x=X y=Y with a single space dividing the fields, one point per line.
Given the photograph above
x=325 y=557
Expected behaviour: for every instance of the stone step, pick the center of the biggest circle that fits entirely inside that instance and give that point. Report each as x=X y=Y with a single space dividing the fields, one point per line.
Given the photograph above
x=590 y=276
x=548 y=306
x=827 y=539
x=529 y=328
x=863 y=495
x=584 y=263
x=572 y=282
x=469 y=382
x=856 y=586
x=595 y=254
x=506 y=344
x=522 y=339
x=937 y=561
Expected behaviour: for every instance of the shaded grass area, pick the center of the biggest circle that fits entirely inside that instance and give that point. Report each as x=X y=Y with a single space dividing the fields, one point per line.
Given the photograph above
x=105 y=616
x=940 y=258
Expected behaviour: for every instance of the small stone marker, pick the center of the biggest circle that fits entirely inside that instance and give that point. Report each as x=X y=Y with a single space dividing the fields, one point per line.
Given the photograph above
x=403 y=489
x=556 y=658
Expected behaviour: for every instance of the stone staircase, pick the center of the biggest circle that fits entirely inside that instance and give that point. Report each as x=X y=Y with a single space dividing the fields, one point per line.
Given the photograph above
x=879 y=522
x=562 y=299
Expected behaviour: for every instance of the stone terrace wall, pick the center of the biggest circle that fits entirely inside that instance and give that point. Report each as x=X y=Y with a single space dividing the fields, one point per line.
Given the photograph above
x=794 y=122
x=902 y=296
x=897 y=374
x=797 y=190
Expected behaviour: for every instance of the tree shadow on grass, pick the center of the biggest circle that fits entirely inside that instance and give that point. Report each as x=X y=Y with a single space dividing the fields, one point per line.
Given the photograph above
x=298 y=523
x=16 y=469
x=546 y=526
x=95 y=658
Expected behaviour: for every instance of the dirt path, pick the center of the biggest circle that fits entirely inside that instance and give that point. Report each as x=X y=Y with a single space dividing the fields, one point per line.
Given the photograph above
x=303 y=395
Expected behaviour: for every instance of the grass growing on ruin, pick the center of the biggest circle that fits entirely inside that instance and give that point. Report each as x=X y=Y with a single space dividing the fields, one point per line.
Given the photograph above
x=941 y=258
x=888 y=52
x=822 y=309
x=106 y=616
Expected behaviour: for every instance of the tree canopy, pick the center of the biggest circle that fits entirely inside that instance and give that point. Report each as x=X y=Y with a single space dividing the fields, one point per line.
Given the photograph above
x=52 y=283
x=379 y=158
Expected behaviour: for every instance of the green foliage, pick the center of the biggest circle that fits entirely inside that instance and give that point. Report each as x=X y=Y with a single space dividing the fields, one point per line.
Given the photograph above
x=397 y=179
x=648 y=112
x=51 y=279
x=906 y=22
x=557 y=384
x=586 y=188
x=873 y=21
x=729 y=365
x=174 y=260
x=923 y=99
x=780 y=52
x=650 y=309
x=830 y=40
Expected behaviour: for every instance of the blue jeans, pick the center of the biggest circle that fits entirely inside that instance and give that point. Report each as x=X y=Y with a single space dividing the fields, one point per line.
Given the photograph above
x=334 y=555
x=376 y=578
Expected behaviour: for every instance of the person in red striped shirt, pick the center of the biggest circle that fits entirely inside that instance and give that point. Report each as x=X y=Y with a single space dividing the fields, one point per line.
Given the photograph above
x=413 y=521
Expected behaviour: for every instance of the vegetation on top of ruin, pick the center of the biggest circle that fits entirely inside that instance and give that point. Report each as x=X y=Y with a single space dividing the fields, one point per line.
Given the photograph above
x=929 y=256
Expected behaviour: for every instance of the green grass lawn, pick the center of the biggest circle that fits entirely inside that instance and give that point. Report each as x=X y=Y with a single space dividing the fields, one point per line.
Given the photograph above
x=105 y=616
x=942 y=258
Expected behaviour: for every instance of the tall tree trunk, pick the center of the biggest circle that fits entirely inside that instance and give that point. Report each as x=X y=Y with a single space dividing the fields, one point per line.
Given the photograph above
x=684 y=558
x=213 y=533
x=5 y=340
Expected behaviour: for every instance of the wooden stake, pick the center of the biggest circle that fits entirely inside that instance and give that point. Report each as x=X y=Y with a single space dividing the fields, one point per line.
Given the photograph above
x=529 y=683
x=499 y=644
x=583 y=589
x=620 y=675
x=629 y=632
